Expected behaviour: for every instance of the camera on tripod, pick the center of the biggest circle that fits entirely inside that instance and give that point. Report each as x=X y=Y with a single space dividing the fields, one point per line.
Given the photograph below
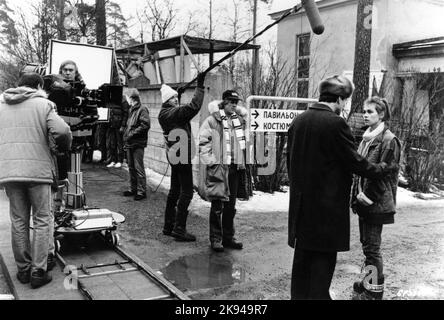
x=78 y=105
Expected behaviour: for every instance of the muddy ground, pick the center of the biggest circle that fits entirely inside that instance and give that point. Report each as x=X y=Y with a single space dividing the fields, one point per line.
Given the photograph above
x=413 y=248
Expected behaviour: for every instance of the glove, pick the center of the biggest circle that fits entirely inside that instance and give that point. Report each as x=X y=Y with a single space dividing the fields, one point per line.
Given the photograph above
x=364 y=200
x=201 y=79
x=180 y=91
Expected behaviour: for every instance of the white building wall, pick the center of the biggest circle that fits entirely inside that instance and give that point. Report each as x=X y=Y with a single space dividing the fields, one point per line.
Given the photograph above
x=394 y=21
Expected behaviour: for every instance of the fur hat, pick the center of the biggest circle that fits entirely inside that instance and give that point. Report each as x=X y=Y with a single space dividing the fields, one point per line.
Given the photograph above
x=167 y=93
x=338 y=86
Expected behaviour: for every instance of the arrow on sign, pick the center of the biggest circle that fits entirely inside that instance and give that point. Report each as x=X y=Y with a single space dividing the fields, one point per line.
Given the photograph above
x=255 y=126
x=255 y=114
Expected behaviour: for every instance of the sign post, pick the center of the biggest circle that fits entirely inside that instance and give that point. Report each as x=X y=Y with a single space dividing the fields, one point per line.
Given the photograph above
x=273 y=120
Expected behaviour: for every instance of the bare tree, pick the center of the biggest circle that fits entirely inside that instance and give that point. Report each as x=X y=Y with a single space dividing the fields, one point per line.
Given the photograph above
x=160 y=15
x=418 y=121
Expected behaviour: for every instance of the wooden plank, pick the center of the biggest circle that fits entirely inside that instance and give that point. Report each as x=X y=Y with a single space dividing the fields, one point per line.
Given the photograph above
x=193 y=59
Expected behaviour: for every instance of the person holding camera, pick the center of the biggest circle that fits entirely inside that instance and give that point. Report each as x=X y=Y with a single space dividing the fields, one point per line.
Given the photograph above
x=135 y=141
x=175 y=122
x=30 y=131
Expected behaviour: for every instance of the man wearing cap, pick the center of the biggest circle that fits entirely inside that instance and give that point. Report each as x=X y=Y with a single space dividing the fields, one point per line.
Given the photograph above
x=175 y=122
x=321 y=158
x=222 y=146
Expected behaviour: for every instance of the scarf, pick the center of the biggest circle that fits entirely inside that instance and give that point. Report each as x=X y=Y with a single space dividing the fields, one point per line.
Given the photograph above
x=240 y=135
x=367 y=140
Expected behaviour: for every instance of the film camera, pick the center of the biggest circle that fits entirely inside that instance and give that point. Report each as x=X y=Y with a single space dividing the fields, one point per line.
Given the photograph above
x=78 y=105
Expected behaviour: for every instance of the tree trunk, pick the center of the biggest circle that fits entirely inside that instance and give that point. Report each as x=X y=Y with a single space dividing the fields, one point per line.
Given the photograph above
x=61 y=20
x=255 y=53
x=361 y=72
x=101 y=22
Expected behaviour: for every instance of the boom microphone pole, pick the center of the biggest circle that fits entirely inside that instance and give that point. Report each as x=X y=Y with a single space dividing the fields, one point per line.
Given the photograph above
x=234 y=51
x=314 y=19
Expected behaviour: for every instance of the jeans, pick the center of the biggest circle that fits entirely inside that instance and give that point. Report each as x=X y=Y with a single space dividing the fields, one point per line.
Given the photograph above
x=222 y=213
x=370 y=237
x=23 y=197
x=312 y=274
x=114 y=145
x=180 y=195
x=137 y=170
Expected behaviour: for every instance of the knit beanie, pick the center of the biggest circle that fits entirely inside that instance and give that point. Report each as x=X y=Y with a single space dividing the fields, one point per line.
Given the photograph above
x=167 y=93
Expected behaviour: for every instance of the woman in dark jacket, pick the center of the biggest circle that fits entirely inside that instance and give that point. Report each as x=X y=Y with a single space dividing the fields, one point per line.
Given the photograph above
x=135 y=141
x=374 y=200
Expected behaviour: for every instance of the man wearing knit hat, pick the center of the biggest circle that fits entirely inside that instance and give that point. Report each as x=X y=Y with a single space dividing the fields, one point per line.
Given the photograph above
x=321 y=158
x=175 y=122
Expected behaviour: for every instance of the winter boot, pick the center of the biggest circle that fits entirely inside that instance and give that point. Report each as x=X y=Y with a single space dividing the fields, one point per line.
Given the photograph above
x=51 y=262
x=24 y=276
x=170 y=217
x=368 y=291
x=180 y=232
x=39 y=278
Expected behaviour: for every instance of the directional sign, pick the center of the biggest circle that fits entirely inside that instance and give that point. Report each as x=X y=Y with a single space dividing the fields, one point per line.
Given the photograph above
x=272 y=120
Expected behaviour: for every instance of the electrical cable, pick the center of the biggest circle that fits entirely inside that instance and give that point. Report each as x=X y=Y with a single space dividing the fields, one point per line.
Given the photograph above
x=164 y=175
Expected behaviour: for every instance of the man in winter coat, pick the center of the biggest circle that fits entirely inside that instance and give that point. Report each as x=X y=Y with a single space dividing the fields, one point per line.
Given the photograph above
x=30 y=132
x=222 y=144
x=136 y=140
x=175 y=122
x=321 y=159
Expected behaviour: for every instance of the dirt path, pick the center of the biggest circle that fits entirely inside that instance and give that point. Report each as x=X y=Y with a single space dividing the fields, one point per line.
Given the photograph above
x=412 y=248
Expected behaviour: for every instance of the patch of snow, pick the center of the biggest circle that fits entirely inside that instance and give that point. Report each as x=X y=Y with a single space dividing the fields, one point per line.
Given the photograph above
x=277 y=202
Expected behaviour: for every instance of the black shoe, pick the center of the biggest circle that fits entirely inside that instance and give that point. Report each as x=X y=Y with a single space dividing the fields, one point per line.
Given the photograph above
x=217 y=246
x=129 y=194
x=167 y=231
x=24 y=276
x=232 y=244
x=51 y=262
x=358 y=287
x=369 y=295
x=139 y=197
x=183 y=235
x=39 y=278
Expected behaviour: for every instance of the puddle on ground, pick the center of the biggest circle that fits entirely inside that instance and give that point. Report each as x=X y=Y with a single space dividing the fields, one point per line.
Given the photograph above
x=203 y=271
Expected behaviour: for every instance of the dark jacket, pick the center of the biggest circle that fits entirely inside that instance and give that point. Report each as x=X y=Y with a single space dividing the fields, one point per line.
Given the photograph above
x=118 y=114
x=212 y=148
x=321 y=160
x=384 y=148
x=172 y=118
x=137 y=127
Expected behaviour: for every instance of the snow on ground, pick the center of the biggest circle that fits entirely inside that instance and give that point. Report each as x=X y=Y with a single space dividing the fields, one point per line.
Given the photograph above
x=279 y=201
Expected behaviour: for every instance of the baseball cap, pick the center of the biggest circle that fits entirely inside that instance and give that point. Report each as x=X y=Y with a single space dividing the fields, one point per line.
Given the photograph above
x=231 y=95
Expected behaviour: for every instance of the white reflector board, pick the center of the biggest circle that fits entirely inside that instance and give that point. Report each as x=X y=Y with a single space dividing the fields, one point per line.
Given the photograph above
x=94 y=62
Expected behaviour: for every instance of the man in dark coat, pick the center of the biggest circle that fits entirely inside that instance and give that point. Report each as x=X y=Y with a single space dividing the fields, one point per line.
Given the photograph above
x=321 y=159
x=175 y=122
x=135 y=141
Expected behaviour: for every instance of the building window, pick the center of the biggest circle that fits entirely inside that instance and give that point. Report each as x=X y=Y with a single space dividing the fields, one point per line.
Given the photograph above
x=302 y=67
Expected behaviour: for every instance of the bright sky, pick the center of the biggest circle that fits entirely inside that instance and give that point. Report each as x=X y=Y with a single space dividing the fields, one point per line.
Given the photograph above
x=222 y=10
